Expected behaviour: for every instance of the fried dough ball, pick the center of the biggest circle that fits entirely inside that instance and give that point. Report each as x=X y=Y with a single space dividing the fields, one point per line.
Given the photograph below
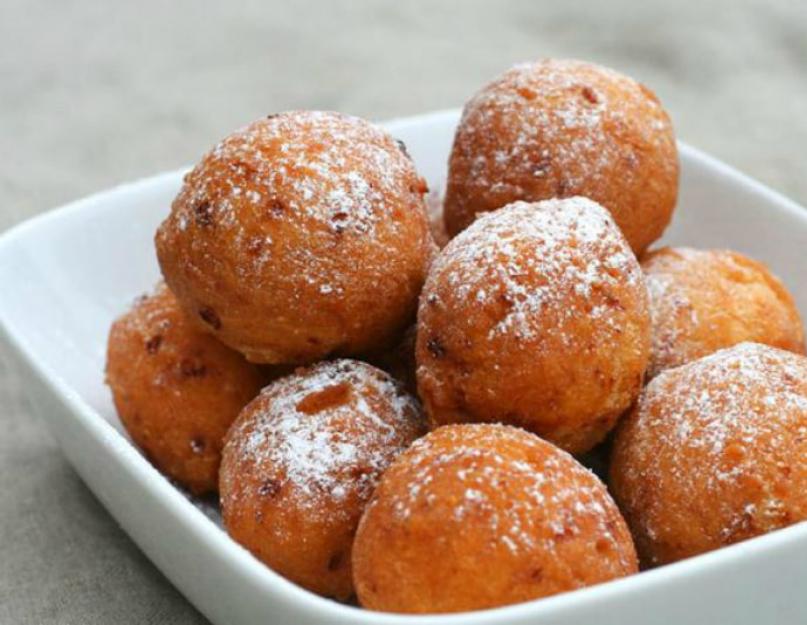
x=714 y=453
x=300 y=236
x=301 y=462
x=536 y=315
x=558 y=128
x=482 y=515
x=176 y=389
x=704 y=300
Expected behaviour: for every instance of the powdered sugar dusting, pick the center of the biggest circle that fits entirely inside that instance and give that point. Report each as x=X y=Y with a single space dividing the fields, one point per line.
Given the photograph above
x=157 y=320
x=333 y=175
x=742 y=412
x=667 y=303
x=701 y=300
x=523 y=493
x=326 y=432
x=571 y=138
x=749 y=363
x=670 y=305
x=550 y=256
x=728 y=396
x=312 y=158
x=151 y=312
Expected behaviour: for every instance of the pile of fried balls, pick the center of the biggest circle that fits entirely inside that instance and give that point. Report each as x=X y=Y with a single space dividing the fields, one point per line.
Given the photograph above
x=399 y=409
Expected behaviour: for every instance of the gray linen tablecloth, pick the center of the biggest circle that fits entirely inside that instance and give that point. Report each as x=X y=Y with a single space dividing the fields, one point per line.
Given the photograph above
x=97 y=93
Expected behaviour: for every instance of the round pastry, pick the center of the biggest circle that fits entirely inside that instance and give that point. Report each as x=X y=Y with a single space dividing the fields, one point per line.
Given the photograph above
x=559 y=128
x=302 y=235
x=714 y=453
x=301 y=462
x=483 y=515
x=536 y=315
x=176 y=389
x=704 y=300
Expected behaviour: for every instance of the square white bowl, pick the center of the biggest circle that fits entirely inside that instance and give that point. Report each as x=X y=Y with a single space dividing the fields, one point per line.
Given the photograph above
x=68 y=273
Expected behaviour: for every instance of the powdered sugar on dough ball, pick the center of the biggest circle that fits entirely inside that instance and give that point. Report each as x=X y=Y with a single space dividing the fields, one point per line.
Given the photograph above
x=536 y=315
x=477 y=516
x=705 y=300
x=558 y=128
x=714 y=453
x=303 y=459
x=176 y=390
x=302 y=235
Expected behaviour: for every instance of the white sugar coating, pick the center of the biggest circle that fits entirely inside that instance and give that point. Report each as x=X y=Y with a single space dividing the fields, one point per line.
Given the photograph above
x=156 y=319
x=550 y=256
x=150 y=320
x=735 y=394
x=689 y=290
x=319 y=165
x=741 y=412
x=668 y=301
x=573 y=138
x=316 y=447
x=526 y=494
x=145 y=317
x=323 y=171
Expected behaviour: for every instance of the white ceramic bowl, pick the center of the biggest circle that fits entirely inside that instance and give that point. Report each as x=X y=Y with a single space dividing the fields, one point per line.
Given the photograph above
x=66 y=274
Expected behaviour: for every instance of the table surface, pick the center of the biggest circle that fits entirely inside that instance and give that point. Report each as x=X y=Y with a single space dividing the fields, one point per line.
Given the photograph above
x=94 y=94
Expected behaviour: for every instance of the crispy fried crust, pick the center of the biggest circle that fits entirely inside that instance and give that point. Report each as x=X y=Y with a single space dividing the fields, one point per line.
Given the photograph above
x=483 y=515
x=537 y=316
x=176 y=389
x=557 y=128
x=704 y=300
x=301 y=462
x=714 y=453
x=300 y=236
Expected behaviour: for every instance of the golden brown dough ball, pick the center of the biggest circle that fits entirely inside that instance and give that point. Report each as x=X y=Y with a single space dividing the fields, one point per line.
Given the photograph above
x=714 y=453
x=558 y=128
x=704 y=300
x=300 y=236
x=536 y=315
x=301 y=462
x=482 y=515
x=176 y=389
